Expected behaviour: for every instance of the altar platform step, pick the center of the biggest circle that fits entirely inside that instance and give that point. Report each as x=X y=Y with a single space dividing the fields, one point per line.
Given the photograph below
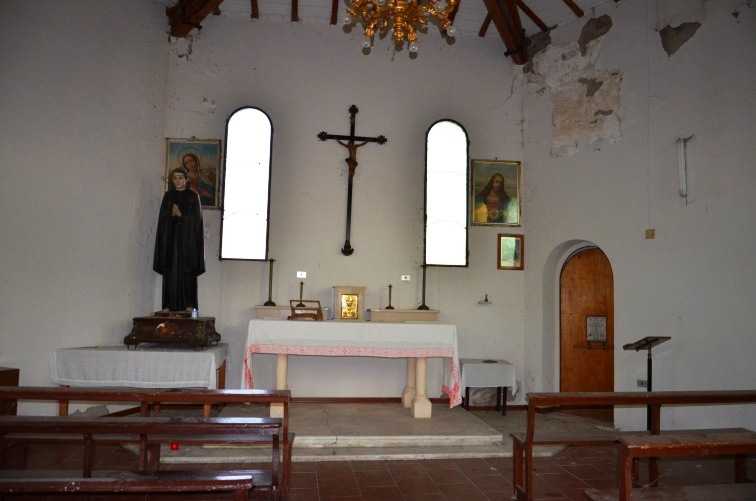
x=340 y=432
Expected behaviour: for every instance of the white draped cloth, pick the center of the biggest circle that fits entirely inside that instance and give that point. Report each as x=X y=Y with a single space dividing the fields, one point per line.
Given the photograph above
x=147 y=366
x=357 y=339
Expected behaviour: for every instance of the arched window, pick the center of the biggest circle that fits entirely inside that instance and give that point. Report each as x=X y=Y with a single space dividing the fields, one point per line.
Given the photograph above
x=446 y=194
x=246 y=185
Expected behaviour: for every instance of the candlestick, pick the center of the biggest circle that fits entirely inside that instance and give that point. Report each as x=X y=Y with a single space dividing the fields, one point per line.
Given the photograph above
x=270 y=302
x=389 y=307
x=423 y=306
x=301 y=304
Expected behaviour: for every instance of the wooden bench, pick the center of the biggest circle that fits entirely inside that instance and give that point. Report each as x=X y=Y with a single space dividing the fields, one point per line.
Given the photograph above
x=149 y=433
x=108 y=482
x=680 y=445
x=146 y=400
x=523 y=443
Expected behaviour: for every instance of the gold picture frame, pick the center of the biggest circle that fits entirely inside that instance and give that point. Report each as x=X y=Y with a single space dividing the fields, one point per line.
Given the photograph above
x=201 y=157
x=495 y=193
x=349 y=303
x=511 y=254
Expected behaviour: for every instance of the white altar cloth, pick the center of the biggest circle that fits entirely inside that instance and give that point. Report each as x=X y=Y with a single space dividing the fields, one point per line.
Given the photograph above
x=147 y=366
x=357 y=339
x=477 y=373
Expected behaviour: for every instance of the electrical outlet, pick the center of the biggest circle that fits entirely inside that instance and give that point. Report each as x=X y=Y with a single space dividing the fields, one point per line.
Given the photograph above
x=301 y=274
x=405 y=278
x=642 y=383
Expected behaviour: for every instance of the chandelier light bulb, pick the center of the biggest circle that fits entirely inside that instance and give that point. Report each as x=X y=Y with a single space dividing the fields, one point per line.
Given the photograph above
x=399 y=19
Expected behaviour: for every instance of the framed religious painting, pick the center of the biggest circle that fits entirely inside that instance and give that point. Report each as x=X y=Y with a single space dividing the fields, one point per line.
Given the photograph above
x=495 y=193
x=201 y=157
x=511 y=255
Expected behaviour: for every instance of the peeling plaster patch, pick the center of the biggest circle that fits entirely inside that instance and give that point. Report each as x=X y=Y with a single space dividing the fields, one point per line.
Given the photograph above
x=674 y=38
x=585 y=100
x=208 y=105
x=577 y=114
x=594 y=29
x=538 y=43
x=592 y=85
x=183 y=47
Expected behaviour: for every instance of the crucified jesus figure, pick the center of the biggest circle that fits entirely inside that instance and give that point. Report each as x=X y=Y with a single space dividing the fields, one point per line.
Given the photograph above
x=351 y=143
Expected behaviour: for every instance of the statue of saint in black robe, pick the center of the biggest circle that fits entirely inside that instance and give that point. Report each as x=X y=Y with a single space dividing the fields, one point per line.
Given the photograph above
x=179 y=246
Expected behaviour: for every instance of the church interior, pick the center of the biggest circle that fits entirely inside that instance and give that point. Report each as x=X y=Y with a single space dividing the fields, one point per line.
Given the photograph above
x=631 y=123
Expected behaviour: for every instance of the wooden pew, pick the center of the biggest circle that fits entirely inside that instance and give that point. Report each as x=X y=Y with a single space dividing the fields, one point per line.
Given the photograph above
x=109 y=482
x=149 y=433
x=523 y=443
x=679 y=445
x=146 y=400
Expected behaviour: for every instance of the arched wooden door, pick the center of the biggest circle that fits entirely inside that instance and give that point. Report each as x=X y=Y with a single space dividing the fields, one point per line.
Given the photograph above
x=586 y=293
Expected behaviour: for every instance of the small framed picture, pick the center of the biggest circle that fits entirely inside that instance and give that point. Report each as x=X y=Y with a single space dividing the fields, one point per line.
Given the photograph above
x=511 y=252
x=201 y=157
x=495 y=193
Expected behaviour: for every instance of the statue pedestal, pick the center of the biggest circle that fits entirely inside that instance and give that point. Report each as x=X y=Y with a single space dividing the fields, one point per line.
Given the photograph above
x=196 y=332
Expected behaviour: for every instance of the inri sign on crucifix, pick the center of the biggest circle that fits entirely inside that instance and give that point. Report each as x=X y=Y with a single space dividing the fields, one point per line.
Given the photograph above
x=351 y=143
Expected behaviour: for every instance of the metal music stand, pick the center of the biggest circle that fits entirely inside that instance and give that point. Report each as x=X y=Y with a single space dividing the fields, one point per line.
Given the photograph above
x=646 y=344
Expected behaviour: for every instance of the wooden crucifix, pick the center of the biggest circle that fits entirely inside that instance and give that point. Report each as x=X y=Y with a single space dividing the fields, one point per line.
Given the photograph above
x=351 y=143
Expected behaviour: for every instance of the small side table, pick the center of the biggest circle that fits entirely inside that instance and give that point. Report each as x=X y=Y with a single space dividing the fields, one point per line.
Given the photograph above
x=486 y=373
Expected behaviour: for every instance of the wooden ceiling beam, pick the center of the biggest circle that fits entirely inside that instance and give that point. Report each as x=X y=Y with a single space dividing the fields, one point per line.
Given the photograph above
x=294 y=11
x=573 y=6
x=528 y=12
x=254 y=10
x=188 y=14
x=506 y=18
x=334 y=11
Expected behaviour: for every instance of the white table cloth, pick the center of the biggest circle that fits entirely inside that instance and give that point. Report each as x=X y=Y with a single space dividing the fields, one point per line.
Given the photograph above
x=477 y=373
x=147 y=366
x=357 y=339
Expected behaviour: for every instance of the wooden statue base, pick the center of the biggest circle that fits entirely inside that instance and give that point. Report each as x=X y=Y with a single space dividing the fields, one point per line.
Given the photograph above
x=173 y=328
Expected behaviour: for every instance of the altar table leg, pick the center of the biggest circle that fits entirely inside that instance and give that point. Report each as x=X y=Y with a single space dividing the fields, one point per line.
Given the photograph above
x=63 y=404
x=421 y=405
x=222 y=376
x=409 y=390
x=282 y=369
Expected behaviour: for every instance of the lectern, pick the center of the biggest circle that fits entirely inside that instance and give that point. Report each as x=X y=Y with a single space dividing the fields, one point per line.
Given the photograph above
x=646 y=344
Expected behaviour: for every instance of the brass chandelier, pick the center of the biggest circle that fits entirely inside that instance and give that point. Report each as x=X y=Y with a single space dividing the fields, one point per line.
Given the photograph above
x=400 y=16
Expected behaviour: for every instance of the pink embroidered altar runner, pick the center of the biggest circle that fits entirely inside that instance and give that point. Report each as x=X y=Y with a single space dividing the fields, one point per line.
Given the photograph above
x=357 y=339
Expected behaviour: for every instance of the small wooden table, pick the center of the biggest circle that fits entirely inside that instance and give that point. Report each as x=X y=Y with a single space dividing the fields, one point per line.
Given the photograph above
x=148 y=366
x=485 y=373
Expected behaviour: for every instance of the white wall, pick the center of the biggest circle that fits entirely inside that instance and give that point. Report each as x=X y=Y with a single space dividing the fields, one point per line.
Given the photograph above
x=76 y=274
x=88 y=102
x=82 y=94
x=695 y=280
x=306 y=80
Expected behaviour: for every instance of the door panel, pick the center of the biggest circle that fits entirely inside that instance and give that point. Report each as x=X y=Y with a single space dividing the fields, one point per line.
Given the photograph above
x=586 y=289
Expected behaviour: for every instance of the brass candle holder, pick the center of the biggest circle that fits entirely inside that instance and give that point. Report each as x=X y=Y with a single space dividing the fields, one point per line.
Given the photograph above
x=423 y=306
x=270 y=302
x=300 y=304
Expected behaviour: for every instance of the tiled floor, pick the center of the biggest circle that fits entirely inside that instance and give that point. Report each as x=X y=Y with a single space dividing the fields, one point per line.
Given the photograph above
x=561 y=477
